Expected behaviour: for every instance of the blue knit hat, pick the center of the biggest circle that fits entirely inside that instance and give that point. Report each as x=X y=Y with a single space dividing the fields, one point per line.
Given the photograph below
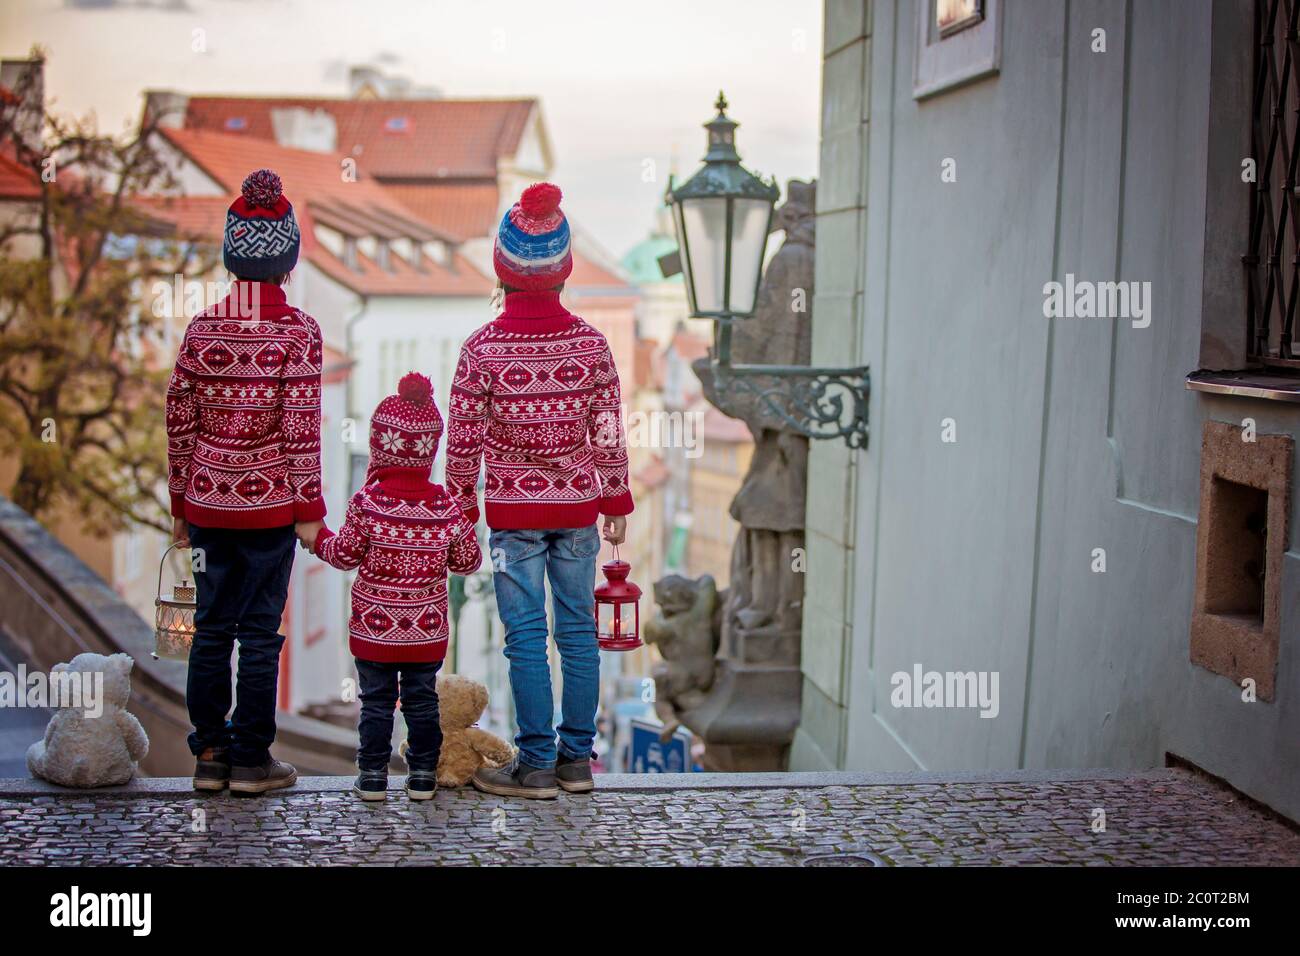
x=261 y=236
x=532 y=250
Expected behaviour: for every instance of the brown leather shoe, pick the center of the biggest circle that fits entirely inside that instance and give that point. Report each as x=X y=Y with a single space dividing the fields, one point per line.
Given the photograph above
x=517 y=780
x=212 y=769
x=573 y=774
x=272 y=775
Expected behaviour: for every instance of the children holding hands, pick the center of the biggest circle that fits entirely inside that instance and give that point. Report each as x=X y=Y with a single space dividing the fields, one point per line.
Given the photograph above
x=535 y=399
x=404 y=533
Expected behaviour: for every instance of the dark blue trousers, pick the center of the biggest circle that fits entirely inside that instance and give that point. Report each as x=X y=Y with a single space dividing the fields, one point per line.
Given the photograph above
x=241 y=593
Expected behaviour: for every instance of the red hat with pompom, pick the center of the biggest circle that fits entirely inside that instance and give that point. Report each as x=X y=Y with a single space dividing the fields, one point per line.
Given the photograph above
x=532 y=249
x=261 y=236
x=405 y=428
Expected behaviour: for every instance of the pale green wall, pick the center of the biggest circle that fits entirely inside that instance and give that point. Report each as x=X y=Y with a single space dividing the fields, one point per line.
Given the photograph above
x=1071 y=434
x=837 y=321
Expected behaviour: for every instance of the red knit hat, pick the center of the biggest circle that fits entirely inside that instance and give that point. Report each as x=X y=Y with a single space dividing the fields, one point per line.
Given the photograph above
x=261 y=237
x=405 y=428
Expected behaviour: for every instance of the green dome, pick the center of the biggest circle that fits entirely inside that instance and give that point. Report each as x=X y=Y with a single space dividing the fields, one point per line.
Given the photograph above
x=642 y=261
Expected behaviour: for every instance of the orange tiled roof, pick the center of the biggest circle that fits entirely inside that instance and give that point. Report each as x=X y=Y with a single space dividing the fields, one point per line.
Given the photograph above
x=397 y=138
x=17 y=181
x=464 y=209
x=314 y=180
x=587 y=273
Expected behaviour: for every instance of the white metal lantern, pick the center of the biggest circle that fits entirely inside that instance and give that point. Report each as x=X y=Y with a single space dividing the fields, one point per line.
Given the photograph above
x=174 y=617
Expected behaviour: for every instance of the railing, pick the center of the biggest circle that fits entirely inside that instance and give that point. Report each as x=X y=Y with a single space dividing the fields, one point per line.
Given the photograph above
x=1273 y=258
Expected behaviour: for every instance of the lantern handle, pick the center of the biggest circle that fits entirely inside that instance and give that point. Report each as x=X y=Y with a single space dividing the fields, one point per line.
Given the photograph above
x=163 y=563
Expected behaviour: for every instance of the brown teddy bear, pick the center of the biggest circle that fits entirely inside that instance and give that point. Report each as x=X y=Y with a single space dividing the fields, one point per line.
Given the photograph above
x=465 y=748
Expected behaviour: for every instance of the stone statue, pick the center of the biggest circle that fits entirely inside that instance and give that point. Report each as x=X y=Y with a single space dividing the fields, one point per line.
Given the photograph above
x=685 y=631
x=751 y=710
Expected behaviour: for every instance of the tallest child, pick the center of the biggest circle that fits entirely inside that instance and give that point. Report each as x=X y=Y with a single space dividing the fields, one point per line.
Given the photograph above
x=243 y=450
x=536 y=397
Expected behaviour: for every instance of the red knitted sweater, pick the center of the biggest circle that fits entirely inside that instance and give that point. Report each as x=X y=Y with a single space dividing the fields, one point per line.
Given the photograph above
x=243 y=414
x=536 y=397
x=405 y=534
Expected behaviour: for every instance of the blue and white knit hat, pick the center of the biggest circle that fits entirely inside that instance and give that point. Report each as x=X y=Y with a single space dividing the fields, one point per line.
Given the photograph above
x=261 y=236
x=532 y=250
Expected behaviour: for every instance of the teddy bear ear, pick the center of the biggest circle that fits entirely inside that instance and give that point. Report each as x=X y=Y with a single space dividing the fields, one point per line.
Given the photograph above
x=122 y=663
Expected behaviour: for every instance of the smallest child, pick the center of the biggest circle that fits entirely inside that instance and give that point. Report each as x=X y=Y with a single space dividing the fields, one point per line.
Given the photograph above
x=404 y=533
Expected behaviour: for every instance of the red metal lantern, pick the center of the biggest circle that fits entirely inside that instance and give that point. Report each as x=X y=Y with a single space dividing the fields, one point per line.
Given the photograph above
x=618 y=609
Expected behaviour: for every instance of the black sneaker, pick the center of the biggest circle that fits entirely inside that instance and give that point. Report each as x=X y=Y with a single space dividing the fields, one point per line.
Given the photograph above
x=573 y=774
x=517 y=780
x=272 y=775
x=421 y=784
x=371 y=785
x=212 y=769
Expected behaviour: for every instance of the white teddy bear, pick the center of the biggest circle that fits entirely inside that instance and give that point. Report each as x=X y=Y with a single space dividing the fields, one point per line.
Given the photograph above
x=92 y=741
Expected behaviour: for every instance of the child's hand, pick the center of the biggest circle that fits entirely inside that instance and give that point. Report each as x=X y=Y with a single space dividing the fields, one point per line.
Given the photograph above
x=306 y=532
x=181 y=532
x=615 y=530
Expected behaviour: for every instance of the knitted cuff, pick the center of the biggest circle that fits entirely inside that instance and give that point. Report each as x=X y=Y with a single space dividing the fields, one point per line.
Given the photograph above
x=178 y=505
x=617 y=505
x=308 y=510
x=323 y=535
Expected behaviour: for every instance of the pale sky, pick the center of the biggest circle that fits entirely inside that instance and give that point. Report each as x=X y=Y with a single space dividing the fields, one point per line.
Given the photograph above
x=621 y=81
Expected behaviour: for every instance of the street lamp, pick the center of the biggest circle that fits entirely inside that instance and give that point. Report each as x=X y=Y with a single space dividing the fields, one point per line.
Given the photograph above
x=722 y=216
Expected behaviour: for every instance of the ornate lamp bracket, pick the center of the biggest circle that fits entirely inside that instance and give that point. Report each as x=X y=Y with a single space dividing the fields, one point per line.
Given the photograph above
x=823 y=403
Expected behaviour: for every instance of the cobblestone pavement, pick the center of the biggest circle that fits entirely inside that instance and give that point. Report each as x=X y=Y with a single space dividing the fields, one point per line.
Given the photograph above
x=1172 y=818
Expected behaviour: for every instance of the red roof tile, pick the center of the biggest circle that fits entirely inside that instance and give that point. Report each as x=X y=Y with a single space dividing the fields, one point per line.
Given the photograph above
x=310 y=178
x=464 y=209
x=397 y=138
x=17 y=181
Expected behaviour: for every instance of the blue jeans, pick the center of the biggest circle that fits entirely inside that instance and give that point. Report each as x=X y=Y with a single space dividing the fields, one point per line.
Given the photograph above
x=379 y=694
x=521 y=559
x=241 y=595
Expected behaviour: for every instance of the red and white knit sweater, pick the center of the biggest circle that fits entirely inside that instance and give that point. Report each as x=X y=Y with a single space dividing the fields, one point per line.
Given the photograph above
x=243 y=414
x=405 y=534
x=536 y=396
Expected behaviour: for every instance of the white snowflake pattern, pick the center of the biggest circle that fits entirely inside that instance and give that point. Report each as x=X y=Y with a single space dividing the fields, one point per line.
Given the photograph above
x=391 y=441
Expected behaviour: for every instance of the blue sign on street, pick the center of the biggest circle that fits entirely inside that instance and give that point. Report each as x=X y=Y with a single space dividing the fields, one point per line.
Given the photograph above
x=651 y=755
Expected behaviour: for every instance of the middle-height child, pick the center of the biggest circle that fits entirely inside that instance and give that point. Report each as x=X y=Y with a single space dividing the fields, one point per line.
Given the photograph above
x=405 y=534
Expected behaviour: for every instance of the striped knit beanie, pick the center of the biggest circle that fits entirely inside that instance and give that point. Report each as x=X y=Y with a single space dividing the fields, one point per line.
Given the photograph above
x=532 y=251
x=261 y=236
x=405 y=428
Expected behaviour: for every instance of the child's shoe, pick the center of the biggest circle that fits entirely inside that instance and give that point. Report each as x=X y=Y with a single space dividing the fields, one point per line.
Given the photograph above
x=421 y=784
x=517 y=780
x=212 y=769
x=371 y=785
x=573 y=774
x=272 y=775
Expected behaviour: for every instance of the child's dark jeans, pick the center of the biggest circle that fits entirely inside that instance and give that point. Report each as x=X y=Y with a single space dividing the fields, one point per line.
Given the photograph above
x=242 y=585
x=382 y=684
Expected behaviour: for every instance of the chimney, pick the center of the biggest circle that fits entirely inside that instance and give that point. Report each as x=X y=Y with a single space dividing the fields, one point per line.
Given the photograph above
x=167 y=107
x=300 y=128
x=25 y=79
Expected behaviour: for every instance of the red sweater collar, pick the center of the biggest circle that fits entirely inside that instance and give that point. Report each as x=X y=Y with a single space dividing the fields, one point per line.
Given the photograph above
x=409 y=483
x=268 y=293
x=534 y=305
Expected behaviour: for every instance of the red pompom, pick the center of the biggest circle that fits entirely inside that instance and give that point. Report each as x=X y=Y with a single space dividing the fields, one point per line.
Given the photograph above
x=262 y=188
x=414 y=388
x=540 y=200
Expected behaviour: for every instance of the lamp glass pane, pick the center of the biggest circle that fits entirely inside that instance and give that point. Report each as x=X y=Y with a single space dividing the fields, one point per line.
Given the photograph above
x=705 y=221
x=683 y=258
x=611 y=622
x=748 y=241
